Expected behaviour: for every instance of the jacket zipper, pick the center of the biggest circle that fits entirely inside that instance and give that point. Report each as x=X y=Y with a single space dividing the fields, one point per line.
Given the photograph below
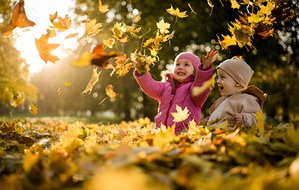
x=173 y=92
x=168 y=110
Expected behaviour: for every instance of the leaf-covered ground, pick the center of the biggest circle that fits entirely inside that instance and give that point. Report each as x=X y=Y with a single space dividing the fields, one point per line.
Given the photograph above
x=51 y=154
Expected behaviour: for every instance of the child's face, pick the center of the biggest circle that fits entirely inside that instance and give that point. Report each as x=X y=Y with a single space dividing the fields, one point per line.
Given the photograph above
x=183 y=69
x=226 y=84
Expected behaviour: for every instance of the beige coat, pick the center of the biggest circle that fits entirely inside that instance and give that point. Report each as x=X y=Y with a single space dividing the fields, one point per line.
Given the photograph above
x=248 y=103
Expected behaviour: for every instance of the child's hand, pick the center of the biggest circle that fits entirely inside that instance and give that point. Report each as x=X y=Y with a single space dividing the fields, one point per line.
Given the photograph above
x=139 y=68
x=209 y=59
x=238 y=118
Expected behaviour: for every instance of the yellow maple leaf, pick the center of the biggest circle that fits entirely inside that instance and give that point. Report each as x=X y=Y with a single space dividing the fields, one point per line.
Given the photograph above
x=119 y=32
x=227 y=41
x=92 y=28
x=267 y=10
x=261 y=122
x=33 y=109
x=207 y=84
x=61 y=24
x=66 y=83
x=163 y=136
x=44 y=49
x=110 y=91
x=109 y=43
x=17 y=98
x=136 y=18
x=122 y=66
x=235 y=4
x=103 y=8
x=255 y=18
x=94 y=79
x=84 y=60
x=163 y=26
x=180 y=115
x=176 y=12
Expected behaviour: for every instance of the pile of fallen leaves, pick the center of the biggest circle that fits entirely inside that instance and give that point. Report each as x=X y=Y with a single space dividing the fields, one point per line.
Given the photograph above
x=46 y=154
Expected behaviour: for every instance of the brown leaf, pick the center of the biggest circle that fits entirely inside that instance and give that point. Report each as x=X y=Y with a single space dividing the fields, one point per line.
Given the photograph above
x=18 y=19
x=101 y=58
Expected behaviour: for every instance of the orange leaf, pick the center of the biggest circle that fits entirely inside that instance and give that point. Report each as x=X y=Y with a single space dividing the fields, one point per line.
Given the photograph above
x=101 y=58
x=62 y=24
x=110 y=91
x=18 y=19
x=44 y=49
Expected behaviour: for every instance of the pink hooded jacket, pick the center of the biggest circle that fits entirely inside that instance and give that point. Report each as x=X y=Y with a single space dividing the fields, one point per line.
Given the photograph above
x=169 y=95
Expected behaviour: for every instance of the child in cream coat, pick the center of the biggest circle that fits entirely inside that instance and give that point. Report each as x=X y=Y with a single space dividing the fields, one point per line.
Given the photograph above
x=239 y=102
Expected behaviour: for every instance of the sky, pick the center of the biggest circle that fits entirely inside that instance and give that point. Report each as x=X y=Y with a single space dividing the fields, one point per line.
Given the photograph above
x=38 y=11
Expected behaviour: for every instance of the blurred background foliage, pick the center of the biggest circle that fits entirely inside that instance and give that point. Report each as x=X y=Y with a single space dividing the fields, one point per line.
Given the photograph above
x=275 y=61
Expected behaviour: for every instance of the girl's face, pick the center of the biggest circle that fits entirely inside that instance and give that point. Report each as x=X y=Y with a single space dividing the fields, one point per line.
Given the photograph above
x=183 y=69
x=226 y=84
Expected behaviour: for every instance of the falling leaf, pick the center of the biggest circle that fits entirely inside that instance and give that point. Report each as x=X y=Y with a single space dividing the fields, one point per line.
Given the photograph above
x=176 y=12
x=84 y=60
x=227 y=41
x=207 y=84
x=61 y=24
x=92 y=28
x=66 y=83
x=144 y=60
x=192 y=11
x=136 y=18
x=109 y=43
x=261 y=122
x=33 y=109
x=101 y=58
x=110 y=91
x=17 y=98
x=235 y=4
x=210 y=3
x=103 y=8
x=52 y=17
x=180 y=115
x=44 y=49
x=94 y=79
x=122 y=66
x=18 y=19
x=163 y=26
x=71 y=35
x=59 y=91
x=119 y=33
x=267 y=10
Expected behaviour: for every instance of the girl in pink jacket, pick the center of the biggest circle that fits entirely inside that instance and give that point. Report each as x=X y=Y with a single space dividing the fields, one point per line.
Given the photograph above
x=188 y=73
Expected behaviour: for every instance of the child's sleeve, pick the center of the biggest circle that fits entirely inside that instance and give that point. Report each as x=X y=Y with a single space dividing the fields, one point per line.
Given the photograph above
x=249 y=110
x=148 y=85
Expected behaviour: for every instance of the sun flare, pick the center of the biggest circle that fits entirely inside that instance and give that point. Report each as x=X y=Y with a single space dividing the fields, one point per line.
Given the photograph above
x=39 y=11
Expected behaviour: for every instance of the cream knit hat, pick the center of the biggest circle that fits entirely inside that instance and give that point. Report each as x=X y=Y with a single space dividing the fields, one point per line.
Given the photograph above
x=238 y=69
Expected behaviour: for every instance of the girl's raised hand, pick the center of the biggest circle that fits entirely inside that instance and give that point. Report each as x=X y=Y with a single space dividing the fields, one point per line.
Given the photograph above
x=208 y=59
